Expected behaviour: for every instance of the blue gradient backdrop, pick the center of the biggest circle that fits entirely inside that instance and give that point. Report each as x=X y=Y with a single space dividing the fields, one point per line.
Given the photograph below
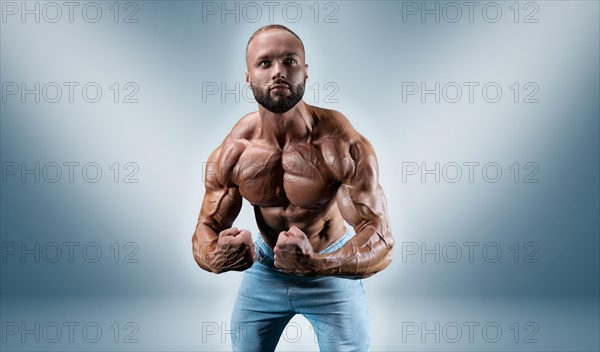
x=517 y=262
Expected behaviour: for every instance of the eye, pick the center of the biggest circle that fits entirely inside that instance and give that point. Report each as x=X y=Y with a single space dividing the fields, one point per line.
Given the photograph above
x=264 y=63
x=290 y=61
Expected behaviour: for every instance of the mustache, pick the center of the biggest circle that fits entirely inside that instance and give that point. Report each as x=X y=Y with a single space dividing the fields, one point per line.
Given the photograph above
x=277 y=83
x=274 y=83
x=281 y=81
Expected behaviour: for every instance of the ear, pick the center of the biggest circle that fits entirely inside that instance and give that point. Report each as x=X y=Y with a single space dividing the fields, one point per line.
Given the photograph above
x=305 y=71
x=247 y=77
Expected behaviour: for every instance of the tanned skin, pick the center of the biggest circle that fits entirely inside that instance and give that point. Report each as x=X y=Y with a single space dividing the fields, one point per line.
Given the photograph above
x=304 y=171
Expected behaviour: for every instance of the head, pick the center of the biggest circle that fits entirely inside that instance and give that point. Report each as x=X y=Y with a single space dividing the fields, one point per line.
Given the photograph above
x=276 y=71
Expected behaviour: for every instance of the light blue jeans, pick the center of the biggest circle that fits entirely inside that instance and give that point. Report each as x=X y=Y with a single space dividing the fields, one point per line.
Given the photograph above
x=268 y=298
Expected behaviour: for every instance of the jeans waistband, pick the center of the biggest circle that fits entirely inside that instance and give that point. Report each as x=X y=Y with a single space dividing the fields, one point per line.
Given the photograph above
x=264 y=253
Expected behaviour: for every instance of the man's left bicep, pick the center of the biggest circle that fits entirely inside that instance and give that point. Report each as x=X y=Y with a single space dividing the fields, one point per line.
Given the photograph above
x=366 y=211
x=360 y=197
x=360 y=207
x=362 y=204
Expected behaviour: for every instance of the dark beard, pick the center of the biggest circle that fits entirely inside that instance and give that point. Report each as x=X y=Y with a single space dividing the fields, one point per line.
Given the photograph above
x=279 y=104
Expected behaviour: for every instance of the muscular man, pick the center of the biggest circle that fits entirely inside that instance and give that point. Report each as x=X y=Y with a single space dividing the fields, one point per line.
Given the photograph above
x=305 y=171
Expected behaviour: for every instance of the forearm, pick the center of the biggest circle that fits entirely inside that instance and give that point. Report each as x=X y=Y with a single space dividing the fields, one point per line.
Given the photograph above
x=204 y=242
x=367 y=253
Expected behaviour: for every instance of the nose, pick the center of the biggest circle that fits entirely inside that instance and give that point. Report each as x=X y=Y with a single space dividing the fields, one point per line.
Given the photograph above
x=278 y=71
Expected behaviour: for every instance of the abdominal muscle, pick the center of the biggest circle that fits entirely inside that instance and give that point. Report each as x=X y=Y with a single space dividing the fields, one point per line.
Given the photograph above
x=322 y=226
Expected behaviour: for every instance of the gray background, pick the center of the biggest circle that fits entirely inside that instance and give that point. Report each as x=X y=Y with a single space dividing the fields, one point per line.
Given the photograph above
x=533 y=234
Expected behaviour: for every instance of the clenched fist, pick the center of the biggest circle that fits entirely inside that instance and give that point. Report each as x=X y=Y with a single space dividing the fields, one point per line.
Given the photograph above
x=294 y=253
x=234 y=251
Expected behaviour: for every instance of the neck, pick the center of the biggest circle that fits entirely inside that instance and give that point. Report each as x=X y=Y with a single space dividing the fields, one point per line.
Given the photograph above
x=288 y=127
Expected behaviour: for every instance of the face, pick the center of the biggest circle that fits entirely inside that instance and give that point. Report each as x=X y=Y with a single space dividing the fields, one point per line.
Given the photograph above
x=276 y=70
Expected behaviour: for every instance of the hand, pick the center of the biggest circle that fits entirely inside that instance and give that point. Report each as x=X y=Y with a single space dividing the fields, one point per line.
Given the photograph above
x=294 y=253
x=234 y=251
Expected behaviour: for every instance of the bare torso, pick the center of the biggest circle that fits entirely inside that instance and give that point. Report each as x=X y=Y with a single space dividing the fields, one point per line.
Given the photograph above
x=293 y=182
x=304 y=169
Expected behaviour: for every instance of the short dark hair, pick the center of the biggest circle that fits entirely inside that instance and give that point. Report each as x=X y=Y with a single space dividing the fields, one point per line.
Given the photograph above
x=269 y=27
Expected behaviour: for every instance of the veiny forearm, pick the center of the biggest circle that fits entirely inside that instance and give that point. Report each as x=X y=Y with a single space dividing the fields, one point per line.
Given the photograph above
x=204 y=242
x=368 y=252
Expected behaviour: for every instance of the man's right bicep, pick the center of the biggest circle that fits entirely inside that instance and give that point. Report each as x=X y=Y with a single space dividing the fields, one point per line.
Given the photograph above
x=222 y=201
